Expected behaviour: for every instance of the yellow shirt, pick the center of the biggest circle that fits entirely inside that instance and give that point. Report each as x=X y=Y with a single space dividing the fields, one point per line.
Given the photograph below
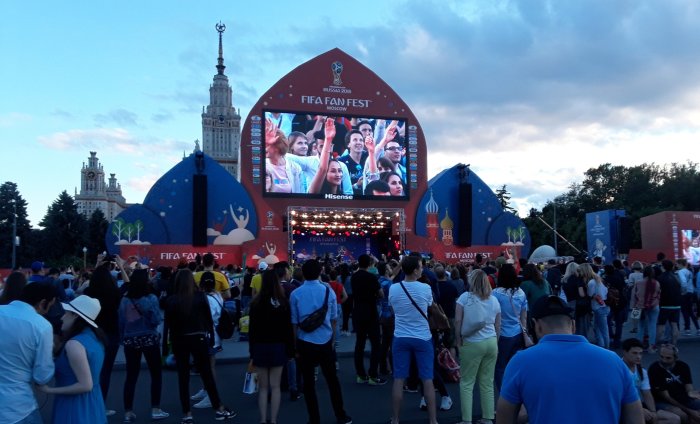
x=256 y=283
x=221 y=284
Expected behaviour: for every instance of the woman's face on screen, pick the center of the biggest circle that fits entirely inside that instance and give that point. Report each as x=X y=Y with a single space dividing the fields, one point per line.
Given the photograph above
x=335 y=173
x=395 y=186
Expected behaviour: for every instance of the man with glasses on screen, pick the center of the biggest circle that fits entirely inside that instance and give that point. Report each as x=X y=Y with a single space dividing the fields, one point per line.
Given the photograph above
x=394 y=152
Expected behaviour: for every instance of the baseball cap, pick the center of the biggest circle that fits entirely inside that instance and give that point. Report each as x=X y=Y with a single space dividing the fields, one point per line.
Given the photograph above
x=37 y=266
x=262 y=266
x=547 y=306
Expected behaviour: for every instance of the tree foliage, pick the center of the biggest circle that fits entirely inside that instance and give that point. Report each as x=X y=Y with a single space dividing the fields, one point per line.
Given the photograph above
x=639 y=190
x=97 y=229
x=11 y=201
x=65 y=231
x=503 y=196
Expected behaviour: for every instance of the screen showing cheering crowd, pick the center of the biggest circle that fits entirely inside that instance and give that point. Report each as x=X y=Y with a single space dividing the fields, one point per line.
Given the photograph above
x=690 y=243
x=335 y=157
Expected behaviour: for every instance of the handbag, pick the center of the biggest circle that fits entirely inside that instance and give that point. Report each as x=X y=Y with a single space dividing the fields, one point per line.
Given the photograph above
x=448 y=365
x=527 y=340
x=473 y=318
x=439 y=320
x=636 y=313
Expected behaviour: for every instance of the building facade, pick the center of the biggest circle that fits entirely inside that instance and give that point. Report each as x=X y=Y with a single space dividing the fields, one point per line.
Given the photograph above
x=95 y=193
x=221 y=122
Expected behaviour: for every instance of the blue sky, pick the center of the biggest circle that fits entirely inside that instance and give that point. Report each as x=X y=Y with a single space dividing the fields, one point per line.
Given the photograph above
x=530 y=93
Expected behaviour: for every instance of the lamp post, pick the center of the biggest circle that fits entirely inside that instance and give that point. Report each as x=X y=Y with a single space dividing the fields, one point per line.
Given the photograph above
x=84 y=258
x=556 y=251
x=14 y=234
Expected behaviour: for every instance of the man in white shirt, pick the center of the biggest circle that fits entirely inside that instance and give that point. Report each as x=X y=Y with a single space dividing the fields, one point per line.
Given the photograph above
x=26 y=347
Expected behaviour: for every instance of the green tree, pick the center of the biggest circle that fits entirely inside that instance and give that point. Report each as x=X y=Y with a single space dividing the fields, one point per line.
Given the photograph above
x=64 y=233
x=97 y=231
x=503 y=196
x=11 y=201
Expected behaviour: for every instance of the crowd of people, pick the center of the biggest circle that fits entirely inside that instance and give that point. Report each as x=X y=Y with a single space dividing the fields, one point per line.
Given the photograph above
x=341 y=156
x=506 y=323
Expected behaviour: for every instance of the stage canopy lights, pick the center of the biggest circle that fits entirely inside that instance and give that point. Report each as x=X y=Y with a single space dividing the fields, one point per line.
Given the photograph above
x=331 y=222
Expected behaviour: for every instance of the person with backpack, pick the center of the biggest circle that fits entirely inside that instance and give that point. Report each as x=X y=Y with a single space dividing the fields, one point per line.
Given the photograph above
x=190 y=325
x=598 y=293
x=553 y=276
x=669 y=302
x=139 y=318
x=617 y=301
x=207 y=284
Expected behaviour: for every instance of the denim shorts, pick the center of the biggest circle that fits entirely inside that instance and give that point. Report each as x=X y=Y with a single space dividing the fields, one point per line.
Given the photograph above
x=405 y=348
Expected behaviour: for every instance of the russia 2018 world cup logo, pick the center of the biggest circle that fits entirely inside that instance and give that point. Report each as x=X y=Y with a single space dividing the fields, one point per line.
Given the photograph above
x=337 y=69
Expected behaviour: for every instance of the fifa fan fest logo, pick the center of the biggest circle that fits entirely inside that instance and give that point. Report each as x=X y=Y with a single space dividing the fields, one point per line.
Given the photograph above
x=337 y=69
x=269 y=216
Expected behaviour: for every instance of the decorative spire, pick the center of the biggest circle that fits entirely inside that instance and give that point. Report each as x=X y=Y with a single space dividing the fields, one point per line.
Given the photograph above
x=431 y=206
x=220 y=28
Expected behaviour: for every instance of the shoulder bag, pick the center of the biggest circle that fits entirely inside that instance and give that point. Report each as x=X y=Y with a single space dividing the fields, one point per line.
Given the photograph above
x=437 y=320
x=316 y=318
x=473 y=317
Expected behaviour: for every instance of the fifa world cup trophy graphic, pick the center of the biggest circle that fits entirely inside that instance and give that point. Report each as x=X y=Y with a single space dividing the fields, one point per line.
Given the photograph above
x=337 y=69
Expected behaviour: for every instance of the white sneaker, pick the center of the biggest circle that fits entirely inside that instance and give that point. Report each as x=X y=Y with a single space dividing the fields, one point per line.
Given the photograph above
x=446 y=403
x=204 y=403
x=423 y=405
x=201 y=394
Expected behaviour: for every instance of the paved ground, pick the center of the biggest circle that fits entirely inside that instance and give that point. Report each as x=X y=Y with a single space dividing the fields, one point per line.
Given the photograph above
x=367 y=405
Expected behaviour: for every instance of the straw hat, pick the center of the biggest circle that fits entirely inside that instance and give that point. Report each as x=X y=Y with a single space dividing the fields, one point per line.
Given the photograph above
x=85 y=307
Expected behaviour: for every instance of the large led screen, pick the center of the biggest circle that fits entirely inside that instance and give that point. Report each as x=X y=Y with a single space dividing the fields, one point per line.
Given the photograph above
x=690 y=243
x=337 y=157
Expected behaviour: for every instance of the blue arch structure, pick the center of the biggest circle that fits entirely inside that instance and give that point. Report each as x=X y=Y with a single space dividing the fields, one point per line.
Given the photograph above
x=166 y=212
x=490 y=224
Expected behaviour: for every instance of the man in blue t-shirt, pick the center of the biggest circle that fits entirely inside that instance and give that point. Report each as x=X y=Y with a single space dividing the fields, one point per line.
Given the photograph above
x=599 y=390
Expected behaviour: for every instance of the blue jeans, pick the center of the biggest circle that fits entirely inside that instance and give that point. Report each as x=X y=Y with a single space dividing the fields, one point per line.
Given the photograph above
x=507 y=348
x=292 y=374
x=649 y=319
x=33 y=418
x=600 y=324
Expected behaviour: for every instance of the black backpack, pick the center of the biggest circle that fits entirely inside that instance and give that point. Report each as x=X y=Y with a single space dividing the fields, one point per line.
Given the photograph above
x=226 y=324
x=554 y=280
x=316 y=318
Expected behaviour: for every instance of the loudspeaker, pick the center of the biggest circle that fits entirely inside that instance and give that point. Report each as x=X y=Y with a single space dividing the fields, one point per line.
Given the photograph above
x=464 y=226
x=199 y=210
x=624 y=234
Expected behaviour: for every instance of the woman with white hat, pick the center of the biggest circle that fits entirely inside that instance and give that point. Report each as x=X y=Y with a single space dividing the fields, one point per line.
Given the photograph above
x=79 y=358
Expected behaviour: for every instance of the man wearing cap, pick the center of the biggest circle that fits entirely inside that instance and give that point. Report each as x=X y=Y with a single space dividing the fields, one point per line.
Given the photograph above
x=603 y=389
x=221 y=284
x=256 y=282
x=37 y=272
x=26 y=345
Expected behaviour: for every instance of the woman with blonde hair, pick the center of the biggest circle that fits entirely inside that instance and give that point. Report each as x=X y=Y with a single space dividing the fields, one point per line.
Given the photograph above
x=285 y=175
x=598 y=293
x=575 y=290
x=478 y=348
